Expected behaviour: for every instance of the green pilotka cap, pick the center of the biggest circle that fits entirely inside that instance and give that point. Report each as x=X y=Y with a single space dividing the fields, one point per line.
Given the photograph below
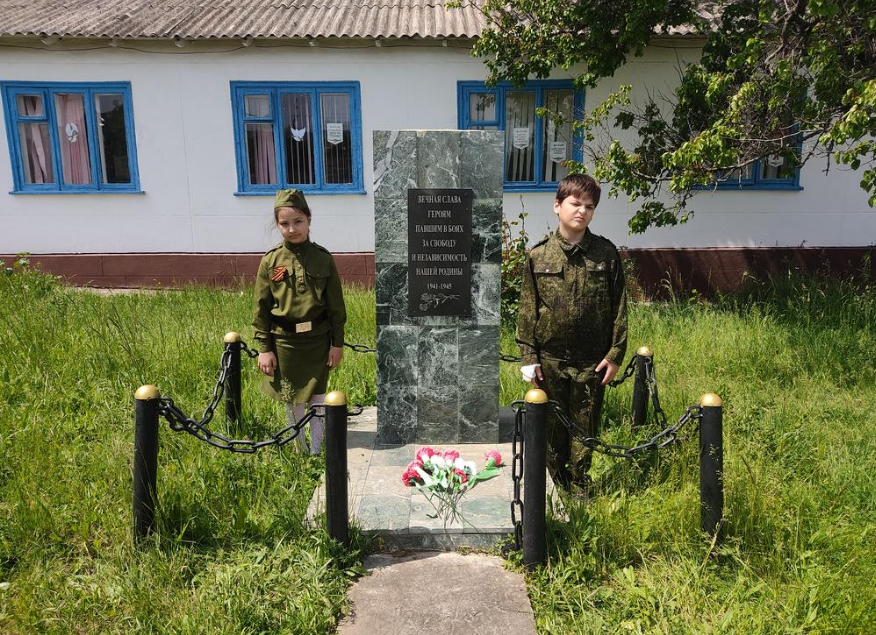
x=291 y=198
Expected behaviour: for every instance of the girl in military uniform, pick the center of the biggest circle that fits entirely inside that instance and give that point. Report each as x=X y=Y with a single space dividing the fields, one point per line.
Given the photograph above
x=299 y=314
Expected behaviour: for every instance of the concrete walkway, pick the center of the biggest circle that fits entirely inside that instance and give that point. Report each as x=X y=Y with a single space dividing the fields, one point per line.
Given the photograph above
x=441 y=592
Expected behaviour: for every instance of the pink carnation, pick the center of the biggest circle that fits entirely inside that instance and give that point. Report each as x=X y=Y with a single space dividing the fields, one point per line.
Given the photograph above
x=410 y=477
x=427 y=451
x=451 y=455
x=463 y=477
x=495 y=457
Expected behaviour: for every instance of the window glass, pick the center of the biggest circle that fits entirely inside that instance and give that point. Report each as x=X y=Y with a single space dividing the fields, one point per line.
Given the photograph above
x=482 y=107
x=30 y=105
x=337 y=142
x=298 y=130
x=260 y=154
x=557 y=145
x=73 y=138
x=519 y=139
x=112 y=138
x=740 y=174
x=775 y=167
x=36 y=153
x=257 y=105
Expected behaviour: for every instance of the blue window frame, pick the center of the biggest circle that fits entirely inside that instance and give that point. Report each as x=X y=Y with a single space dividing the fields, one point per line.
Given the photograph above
x=71 y=137
x=534 y=146
x=297 y=134
x=763 y=174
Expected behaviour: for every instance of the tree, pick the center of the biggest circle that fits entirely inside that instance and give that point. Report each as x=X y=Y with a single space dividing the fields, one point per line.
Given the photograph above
x=793 y=78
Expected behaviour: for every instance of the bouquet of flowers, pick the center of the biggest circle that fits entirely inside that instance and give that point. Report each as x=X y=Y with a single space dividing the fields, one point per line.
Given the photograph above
x=444 y=478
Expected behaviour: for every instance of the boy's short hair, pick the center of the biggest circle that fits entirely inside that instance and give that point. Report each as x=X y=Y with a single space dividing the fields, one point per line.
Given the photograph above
x=577 y=185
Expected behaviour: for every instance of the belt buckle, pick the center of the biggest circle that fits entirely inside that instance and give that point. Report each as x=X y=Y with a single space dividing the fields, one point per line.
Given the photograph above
x=303 y=327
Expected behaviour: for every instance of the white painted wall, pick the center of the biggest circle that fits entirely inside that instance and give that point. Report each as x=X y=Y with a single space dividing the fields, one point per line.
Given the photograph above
x=185 y=145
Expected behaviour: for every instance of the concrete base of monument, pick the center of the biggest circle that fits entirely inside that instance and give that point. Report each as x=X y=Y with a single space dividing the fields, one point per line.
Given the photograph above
x=381 y=505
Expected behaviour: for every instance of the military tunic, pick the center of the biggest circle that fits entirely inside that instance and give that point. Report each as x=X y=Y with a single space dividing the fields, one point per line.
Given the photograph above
x=573 y=314
x=299 y=313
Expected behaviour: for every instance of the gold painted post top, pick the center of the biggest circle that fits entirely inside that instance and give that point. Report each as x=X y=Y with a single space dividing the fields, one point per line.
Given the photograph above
x=711 y=399
x=231 y=337
x=336 y=398
x=536 y=395
x=645 y=351
x=147 y=393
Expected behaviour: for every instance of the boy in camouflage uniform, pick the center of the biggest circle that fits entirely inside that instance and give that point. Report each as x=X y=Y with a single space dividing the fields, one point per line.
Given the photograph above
x=572 y=324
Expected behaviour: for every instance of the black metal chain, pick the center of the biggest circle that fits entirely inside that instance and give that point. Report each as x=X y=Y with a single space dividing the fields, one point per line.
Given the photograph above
x=629 y=371
x=360 y=348
x=179 y=422
x=510 y=358
x=660 y=440
x=651 y=383
x=249 y=352
x=517 y=472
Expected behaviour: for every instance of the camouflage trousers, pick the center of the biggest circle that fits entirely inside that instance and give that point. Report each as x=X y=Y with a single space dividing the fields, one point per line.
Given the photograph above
x=578 y=390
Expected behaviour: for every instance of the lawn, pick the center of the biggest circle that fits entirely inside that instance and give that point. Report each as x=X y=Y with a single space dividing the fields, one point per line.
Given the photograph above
x=791 y=358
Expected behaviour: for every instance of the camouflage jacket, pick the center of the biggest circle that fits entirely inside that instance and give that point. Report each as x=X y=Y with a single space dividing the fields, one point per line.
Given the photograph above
x=573 y=303
x=294 y=284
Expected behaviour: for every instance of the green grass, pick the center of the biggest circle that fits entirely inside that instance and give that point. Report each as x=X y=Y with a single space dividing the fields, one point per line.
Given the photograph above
x=792 y=360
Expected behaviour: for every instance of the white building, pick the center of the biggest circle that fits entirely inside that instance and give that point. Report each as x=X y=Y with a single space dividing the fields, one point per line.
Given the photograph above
x=149 y=141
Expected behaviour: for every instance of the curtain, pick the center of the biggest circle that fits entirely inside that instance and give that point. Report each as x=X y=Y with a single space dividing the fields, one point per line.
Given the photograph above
x=38 y=159
x=73 y=138
x=262 y=158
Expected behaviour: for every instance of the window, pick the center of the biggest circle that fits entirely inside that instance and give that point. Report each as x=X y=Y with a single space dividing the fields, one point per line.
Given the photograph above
x=71 y=137
x=534 y=147
x=293 y=134
x=771 y=173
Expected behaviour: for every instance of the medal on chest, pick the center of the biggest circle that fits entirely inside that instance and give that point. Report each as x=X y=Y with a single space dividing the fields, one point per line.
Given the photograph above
x=278 y=274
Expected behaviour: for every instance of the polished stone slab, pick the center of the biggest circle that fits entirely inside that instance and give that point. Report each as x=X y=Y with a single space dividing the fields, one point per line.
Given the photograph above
x=430 y=368
x=381 y=505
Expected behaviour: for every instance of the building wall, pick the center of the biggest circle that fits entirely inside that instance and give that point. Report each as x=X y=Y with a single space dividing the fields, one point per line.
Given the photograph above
x=185 y=145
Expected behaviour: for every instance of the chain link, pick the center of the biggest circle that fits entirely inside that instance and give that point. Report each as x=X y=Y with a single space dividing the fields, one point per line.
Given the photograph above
x=249 y=352
x=517 y=472
x=629 y=371
x=660 y=440
x=179 y=422
x=360 y=348
x=510 y=358
x=651 y=383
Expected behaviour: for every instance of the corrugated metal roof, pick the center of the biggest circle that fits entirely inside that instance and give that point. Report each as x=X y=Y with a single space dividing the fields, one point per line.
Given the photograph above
x=165 y=19
x=239 y=18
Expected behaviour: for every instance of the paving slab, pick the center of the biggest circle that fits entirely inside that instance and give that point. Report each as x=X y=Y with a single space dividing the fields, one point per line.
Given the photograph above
x=450 y=593
x=381 y=504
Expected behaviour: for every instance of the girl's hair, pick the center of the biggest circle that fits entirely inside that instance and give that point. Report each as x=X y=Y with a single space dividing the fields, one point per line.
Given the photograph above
x=578 y=184
x=306 y=212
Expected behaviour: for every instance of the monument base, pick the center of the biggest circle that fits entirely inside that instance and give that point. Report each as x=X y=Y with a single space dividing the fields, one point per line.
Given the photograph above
x=381 y=505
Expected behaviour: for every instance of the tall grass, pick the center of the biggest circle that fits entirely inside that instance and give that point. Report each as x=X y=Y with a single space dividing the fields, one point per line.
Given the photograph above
x=229 y=553
x=791 y=358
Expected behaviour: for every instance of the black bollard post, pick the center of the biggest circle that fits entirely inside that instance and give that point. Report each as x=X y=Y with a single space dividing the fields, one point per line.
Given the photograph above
x=337 y=515
x=534 y=465
x=711 y=463
x=233 y=407
x=145 y=459
x=640 y=387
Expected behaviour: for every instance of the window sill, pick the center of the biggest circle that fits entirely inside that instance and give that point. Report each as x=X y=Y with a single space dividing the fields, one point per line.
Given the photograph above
x=760 y=187
x=512 y=189
x=306 y=192
x=66 y=192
